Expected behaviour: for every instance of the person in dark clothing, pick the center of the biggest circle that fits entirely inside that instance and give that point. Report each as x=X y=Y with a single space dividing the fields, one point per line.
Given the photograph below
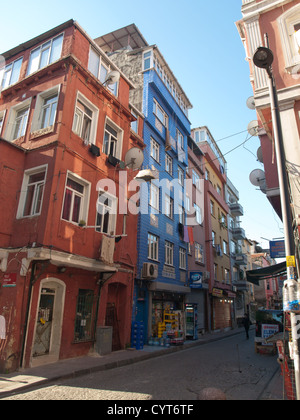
x=246 y=324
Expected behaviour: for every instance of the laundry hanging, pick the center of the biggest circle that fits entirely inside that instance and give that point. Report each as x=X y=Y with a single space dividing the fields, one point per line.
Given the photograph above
x=2 y=328
x=191 y=235
x=186 y=235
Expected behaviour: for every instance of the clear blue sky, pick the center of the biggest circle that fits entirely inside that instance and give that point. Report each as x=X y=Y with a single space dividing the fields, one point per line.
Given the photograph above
x=201 y=44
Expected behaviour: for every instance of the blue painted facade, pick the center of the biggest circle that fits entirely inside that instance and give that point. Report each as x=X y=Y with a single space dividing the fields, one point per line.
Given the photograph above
x=164 y=227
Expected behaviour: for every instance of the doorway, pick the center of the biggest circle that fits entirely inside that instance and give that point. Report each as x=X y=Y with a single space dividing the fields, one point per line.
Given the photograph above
x=43 y=330
x=49 y=320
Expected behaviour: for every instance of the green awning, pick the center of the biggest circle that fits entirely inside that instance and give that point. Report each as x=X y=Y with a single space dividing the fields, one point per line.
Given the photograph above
x=255 y=276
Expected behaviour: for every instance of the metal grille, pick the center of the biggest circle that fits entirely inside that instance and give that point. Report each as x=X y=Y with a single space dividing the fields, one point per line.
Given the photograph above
x=85 y=316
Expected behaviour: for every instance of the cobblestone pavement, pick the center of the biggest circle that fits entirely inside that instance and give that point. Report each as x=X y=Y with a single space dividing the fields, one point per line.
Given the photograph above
x=230 y=365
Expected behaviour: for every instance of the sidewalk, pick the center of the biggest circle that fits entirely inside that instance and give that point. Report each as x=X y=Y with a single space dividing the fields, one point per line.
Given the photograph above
x=71 y=368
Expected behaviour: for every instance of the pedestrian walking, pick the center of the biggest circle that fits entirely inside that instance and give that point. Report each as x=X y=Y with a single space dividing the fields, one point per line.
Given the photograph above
x=246 y=324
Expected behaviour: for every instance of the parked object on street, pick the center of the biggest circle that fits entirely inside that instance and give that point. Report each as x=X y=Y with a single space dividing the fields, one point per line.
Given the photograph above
x=268 y=323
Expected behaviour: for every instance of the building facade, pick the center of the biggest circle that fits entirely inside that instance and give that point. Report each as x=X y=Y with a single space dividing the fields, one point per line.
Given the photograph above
x=67 y=256
x=217 y=250
x=275 y=24
x=198 y=273
x=161 y=279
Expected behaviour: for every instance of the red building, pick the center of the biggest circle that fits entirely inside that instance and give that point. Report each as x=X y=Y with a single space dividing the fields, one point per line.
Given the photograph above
x=67 y=264
x=276 y=24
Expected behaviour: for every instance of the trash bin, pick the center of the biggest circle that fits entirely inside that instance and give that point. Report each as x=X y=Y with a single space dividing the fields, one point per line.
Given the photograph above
x=104 y=340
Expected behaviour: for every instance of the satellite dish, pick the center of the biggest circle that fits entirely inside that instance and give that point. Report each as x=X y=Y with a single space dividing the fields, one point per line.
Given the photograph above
x=263 y=186
x=112 y=78
x=251 y=102
x=258 y=178
x=134 y=158
x=260 y=155
x=253 y=128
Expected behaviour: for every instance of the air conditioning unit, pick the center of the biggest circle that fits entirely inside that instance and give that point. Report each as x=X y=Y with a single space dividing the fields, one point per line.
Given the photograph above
x=150 y=271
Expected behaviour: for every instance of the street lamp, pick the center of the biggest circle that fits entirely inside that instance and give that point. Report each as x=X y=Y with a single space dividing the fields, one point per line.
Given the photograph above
x=263 y=58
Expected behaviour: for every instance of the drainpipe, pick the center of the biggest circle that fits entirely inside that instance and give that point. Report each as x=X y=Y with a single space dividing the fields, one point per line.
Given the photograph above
x=31 y=283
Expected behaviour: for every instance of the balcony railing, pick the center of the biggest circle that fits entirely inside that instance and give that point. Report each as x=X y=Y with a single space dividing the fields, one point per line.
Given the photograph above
x=238 y=233
x=236 y=209
x=241 y=259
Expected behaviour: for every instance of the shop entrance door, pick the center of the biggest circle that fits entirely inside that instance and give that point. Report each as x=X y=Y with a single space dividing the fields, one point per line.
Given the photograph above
x=111 y=320
x=44 y=323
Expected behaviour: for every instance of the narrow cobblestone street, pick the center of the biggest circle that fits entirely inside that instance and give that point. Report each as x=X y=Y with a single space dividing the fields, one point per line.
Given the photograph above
x=230 y=365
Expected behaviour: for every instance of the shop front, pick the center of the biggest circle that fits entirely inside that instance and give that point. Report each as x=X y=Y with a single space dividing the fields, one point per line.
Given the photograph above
x=167 y=313
x=222 y=309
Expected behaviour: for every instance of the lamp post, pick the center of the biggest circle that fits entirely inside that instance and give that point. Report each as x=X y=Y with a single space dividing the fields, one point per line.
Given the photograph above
x=263 y=58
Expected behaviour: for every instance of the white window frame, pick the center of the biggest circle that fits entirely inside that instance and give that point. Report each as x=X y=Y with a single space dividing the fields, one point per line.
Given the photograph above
x=154 y=200
x=38 y=195
x=169 y=164
x=99 y=68
x=148 y=58
x=160 y=113
x=12 y=117
x=169 y=253
x=169 y=206
x=10 y=74
x=153 y=247
x=40 y=107
x=196 y=179
x=199 y=253
x=182 y=258
x=119 y=138
x=181 y=214
x=79 y=116
x=84 y=203
x=198 y=214
x=181 y=176
x=286 y=23
x=2 y=118
x=40 y=50
x=180 y=139
x=105 y=208
x=154 y=152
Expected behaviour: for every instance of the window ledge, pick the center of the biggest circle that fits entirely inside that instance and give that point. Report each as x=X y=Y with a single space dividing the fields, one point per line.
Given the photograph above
x=42 y=132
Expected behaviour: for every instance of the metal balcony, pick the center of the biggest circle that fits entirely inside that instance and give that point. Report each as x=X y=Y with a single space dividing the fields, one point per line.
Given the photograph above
x=241 y=259
x=238 y=233
x=236 y=209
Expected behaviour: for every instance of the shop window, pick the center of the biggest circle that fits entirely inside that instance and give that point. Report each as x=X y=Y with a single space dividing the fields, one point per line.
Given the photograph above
x=85 y=319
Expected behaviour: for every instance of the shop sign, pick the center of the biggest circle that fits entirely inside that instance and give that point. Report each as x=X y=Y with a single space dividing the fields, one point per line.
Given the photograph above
x=290 y=261
x=196 y=280
x=10 y=280
x=267 y=330
x=217 y=293
x=277 y=249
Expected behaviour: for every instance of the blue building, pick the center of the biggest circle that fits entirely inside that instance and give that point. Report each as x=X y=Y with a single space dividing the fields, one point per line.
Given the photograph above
x=161 y=283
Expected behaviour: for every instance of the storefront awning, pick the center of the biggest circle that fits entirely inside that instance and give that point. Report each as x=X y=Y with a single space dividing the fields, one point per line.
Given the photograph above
x=255 y=276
